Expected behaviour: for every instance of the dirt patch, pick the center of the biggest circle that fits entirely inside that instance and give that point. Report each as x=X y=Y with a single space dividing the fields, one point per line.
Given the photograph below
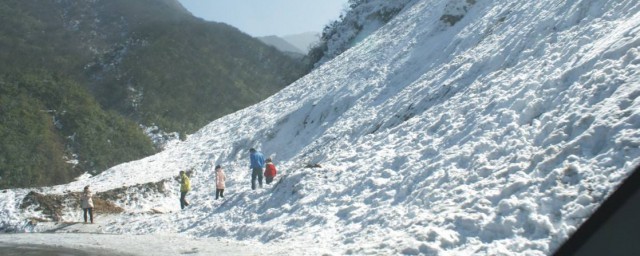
x=140 y=189
x=53 y=205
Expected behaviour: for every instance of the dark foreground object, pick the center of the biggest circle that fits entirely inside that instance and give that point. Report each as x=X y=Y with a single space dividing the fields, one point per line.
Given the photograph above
x=614 y=228
x=43 y=250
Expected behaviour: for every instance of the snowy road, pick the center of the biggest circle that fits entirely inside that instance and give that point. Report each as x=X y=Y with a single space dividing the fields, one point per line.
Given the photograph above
x=41 y=250
x=105 y=244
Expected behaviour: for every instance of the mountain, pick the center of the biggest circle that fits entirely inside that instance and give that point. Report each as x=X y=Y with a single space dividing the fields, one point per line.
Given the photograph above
x=150 y=60
x=281 y=44
x=297 y=43
x=303 y=41
x=458 y=128
x=143 y=63
x=293 y=46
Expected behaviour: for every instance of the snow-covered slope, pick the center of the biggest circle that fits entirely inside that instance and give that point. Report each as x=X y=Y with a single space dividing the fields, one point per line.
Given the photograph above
x=361 y=19
x=498 y=134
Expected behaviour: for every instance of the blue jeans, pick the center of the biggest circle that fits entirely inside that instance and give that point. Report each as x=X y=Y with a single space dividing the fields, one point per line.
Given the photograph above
x=90 y=210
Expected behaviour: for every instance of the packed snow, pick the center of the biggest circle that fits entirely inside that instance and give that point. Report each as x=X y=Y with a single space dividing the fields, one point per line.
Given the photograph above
x=496 y=134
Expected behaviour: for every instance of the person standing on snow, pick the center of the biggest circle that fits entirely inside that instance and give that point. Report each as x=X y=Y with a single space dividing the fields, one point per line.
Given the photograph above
x=185 y=186
x=86 y=202
x=270 y=171
x=220 y=178
x=257 y=167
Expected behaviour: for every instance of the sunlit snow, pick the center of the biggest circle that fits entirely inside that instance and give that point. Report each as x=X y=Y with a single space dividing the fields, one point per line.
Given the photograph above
x=497 y=135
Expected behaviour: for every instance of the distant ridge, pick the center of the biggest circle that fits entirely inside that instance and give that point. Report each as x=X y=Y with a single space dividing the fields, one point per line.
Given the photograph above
x=303 y=41
x=281 y=44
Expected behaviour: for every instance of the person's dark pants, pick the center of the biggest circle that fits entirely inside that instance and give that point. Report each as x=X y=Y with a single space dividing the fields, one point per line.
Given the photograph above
x=219 y=193
x=268 y=179
x=256 y=174
x=90 y=211
x=183 y=200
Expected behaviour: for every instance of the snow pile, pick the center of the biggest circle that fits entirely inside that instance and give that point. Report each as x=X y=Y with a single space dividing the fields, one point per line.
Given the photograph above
x=499 y=134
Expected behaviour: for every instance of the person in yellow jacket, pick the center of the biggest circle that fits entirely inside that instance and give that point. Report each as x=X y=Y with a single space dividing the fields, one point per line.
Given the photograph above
x=185 y=186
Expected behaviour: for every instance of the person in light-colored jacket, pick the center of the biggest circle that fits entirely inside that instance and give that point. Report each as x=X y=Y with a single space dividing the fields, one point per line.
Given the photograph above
x=86 y=202
x=220 y=178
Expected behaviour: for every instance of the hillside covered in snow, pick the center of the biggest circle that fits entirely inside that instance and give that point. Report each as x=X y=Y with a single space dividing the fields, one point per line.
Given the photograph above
x=460 y=127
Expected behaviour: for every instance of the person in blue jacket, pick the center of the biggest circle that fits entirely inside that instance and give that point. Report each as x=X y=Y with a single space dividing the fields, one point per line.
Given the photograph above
x=257 y=167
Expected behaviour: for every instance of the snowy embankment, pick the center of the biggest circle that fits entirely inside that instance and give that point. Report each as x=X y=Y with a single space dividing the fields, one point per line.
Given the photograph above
x=460 y=127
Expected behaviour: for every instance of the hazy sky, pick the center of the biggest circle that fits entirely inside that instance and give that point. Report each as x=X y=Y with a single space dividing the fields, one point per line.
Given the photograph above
x=269 y=17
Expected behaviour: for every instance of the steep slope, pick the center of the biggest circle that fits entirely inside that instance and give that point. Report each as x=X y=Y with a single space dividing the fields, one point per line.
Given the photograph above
x=460 y=127
x=361 y=20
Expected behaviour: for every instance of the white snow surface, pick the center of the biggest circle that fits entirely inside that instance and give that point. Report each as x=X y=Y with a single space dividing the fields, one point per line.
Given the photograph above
x=498 y=135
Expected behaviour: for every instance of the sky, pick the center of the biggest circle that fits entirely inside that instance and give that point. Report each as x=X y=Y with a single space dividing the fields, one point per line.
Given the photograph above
x=498 y=135
x=269 y=17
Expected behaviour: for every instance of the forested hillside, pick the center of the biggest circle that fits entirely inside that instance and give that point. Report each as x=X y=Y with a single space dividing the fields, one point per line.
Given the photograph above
x=51 y=130
x=80 y=78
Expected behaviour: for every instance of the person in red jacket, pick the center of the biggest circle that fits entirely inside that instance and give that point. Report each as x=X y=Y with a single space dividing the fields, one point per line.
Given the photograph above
x=270 y=171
